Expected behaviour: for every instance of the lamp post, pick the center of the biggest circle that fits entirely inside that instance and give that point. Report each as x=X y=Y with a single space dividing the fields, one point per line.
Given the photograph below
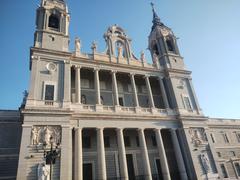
x=51 y=155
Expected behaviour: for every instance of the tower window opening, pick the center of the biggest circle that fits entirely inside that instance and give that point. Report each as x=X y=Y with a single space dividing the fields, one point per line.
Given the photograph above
x=155 y=49
x=53 y=22
x=170 y=45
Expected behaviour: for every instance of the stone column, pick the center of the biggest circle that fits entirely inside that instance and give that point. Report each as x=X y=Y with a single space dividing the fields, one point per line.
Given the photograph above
x=78 y=84
x=122 y=155
x=146 y=164
x=102 y=174
x=178 y=154
x=162 y=155
x=97 y=86
x=78 y=175
x=67 y=83
x=134 y=90
x=115 y=88
x=24 y=152
x=150 y=96
x=164 y=95
x=66 y=153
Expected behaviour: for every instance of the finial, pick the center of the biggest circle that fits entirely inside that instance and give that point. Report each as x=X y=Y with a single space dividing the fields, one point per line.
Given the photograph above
x=152 y=4
x=156 y=20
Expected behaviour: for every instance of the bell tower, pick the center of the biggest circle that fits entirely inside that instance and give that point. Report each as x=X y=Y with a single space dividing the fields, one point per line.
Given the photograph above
x=177 y=80
x=163 y=45
x=52 y=23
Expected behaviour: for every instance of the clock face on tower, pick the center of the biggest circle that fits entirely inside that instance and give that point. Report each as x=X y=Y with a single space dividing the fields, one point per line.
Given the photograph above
x=165 y=32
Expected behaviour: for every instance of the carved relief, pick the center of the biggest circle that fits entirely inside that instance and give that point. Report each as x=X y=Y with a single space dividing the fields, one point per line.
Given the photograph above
x=205 y=162
x=42 y=134
x=198 y=136
x=43 y=171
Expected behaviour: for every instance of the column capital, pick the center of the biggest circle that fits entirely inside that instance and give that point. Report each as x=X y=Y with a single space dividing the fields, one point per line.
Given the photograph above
x=114 y=71
x=160 y=78
x=77 y=66
x=77 y=128
x=99 y=128
x=119 y=129
x=132 y=74
x=140 y=129
x=146 y=76
x=66 y=61
x=96 y=69
x=157 y=129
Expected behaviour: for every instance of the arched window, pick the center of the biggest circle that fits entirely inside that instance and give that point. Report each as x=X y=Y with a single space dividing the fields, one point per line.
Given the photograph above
x=53 y=21
x=155 y=49
x=170 y=45
x=120 y=50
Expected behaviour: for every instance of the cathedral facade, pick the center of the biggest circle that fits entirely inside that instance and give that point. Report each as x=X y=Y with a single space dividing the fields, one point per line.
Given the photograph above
x=111 y=115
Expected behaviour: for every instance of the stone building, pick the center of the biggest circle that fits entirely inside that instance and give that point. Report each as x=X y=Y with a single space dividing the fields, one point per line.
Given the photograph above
x=114 y=116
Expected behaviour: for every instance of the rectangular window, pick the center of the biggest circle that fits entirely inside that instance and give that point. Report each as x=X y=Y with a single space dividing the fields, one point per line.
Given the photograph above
x=106 y=141
x=219 y=154
x=154 y=142
x=130 y=88
x=86 y=142
x=85 y=83
x=187 y=103
x=49 y=92
x=137 y=141
x=103 y=85
x=127 y=141
x=144 y=89
x=238 y=136
x=237 y=166
x=225 y=138
x=224 y=171
x=212 y=137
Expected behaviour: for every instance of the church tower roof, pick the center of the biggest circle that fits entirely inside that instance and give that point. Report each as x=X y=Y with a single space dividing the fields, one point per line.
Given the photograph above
x=156 y=20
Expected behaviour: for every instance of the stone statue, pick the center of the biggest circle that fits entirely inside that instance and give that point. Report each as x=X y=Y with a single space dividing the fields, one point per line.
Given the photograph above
x=35 y=136
x=120 y=51
x=77 y=45
x=83 y=99
x=57 y=136
x=155 y=60
x=205 y=163
x=142 y=56
x=47 y=135
x=94 y=46
x=43 y=171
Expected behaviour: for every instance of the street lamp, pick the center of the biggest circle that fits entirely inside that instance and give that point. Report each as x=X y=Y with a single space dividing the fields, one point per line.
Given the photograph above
x=51 y=155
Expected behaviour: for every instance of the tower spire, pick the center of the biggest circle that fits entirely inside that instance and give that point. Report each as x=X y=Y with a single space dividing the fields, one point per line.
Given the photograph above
x=156 y=20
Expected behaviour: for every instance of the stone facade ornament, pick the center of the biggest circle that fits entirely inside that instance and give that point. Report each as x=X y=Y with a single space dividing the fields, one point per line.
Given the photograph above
x=51 y=67
x=41 y=135
x=77 y=46
x=155 y=60
x=43 y=171
x=198 y=136
x=205 y=162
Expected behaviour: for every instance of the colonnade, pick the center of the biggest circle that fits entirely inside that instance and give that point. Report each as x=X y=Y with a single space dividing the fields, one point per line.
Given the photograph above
x=101 y=159
x=115 y=88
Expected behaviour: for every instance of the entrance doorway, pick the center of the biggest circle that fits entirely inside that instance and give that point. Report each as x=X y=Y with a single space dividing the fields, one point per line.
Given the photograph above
x=159 y=169
x=87 y=171
x=131 y=173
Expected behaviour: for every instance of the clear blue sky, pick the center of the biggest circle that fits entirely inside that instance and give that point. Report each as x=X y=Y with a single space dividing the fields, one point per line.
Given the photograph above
x=209 y=32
